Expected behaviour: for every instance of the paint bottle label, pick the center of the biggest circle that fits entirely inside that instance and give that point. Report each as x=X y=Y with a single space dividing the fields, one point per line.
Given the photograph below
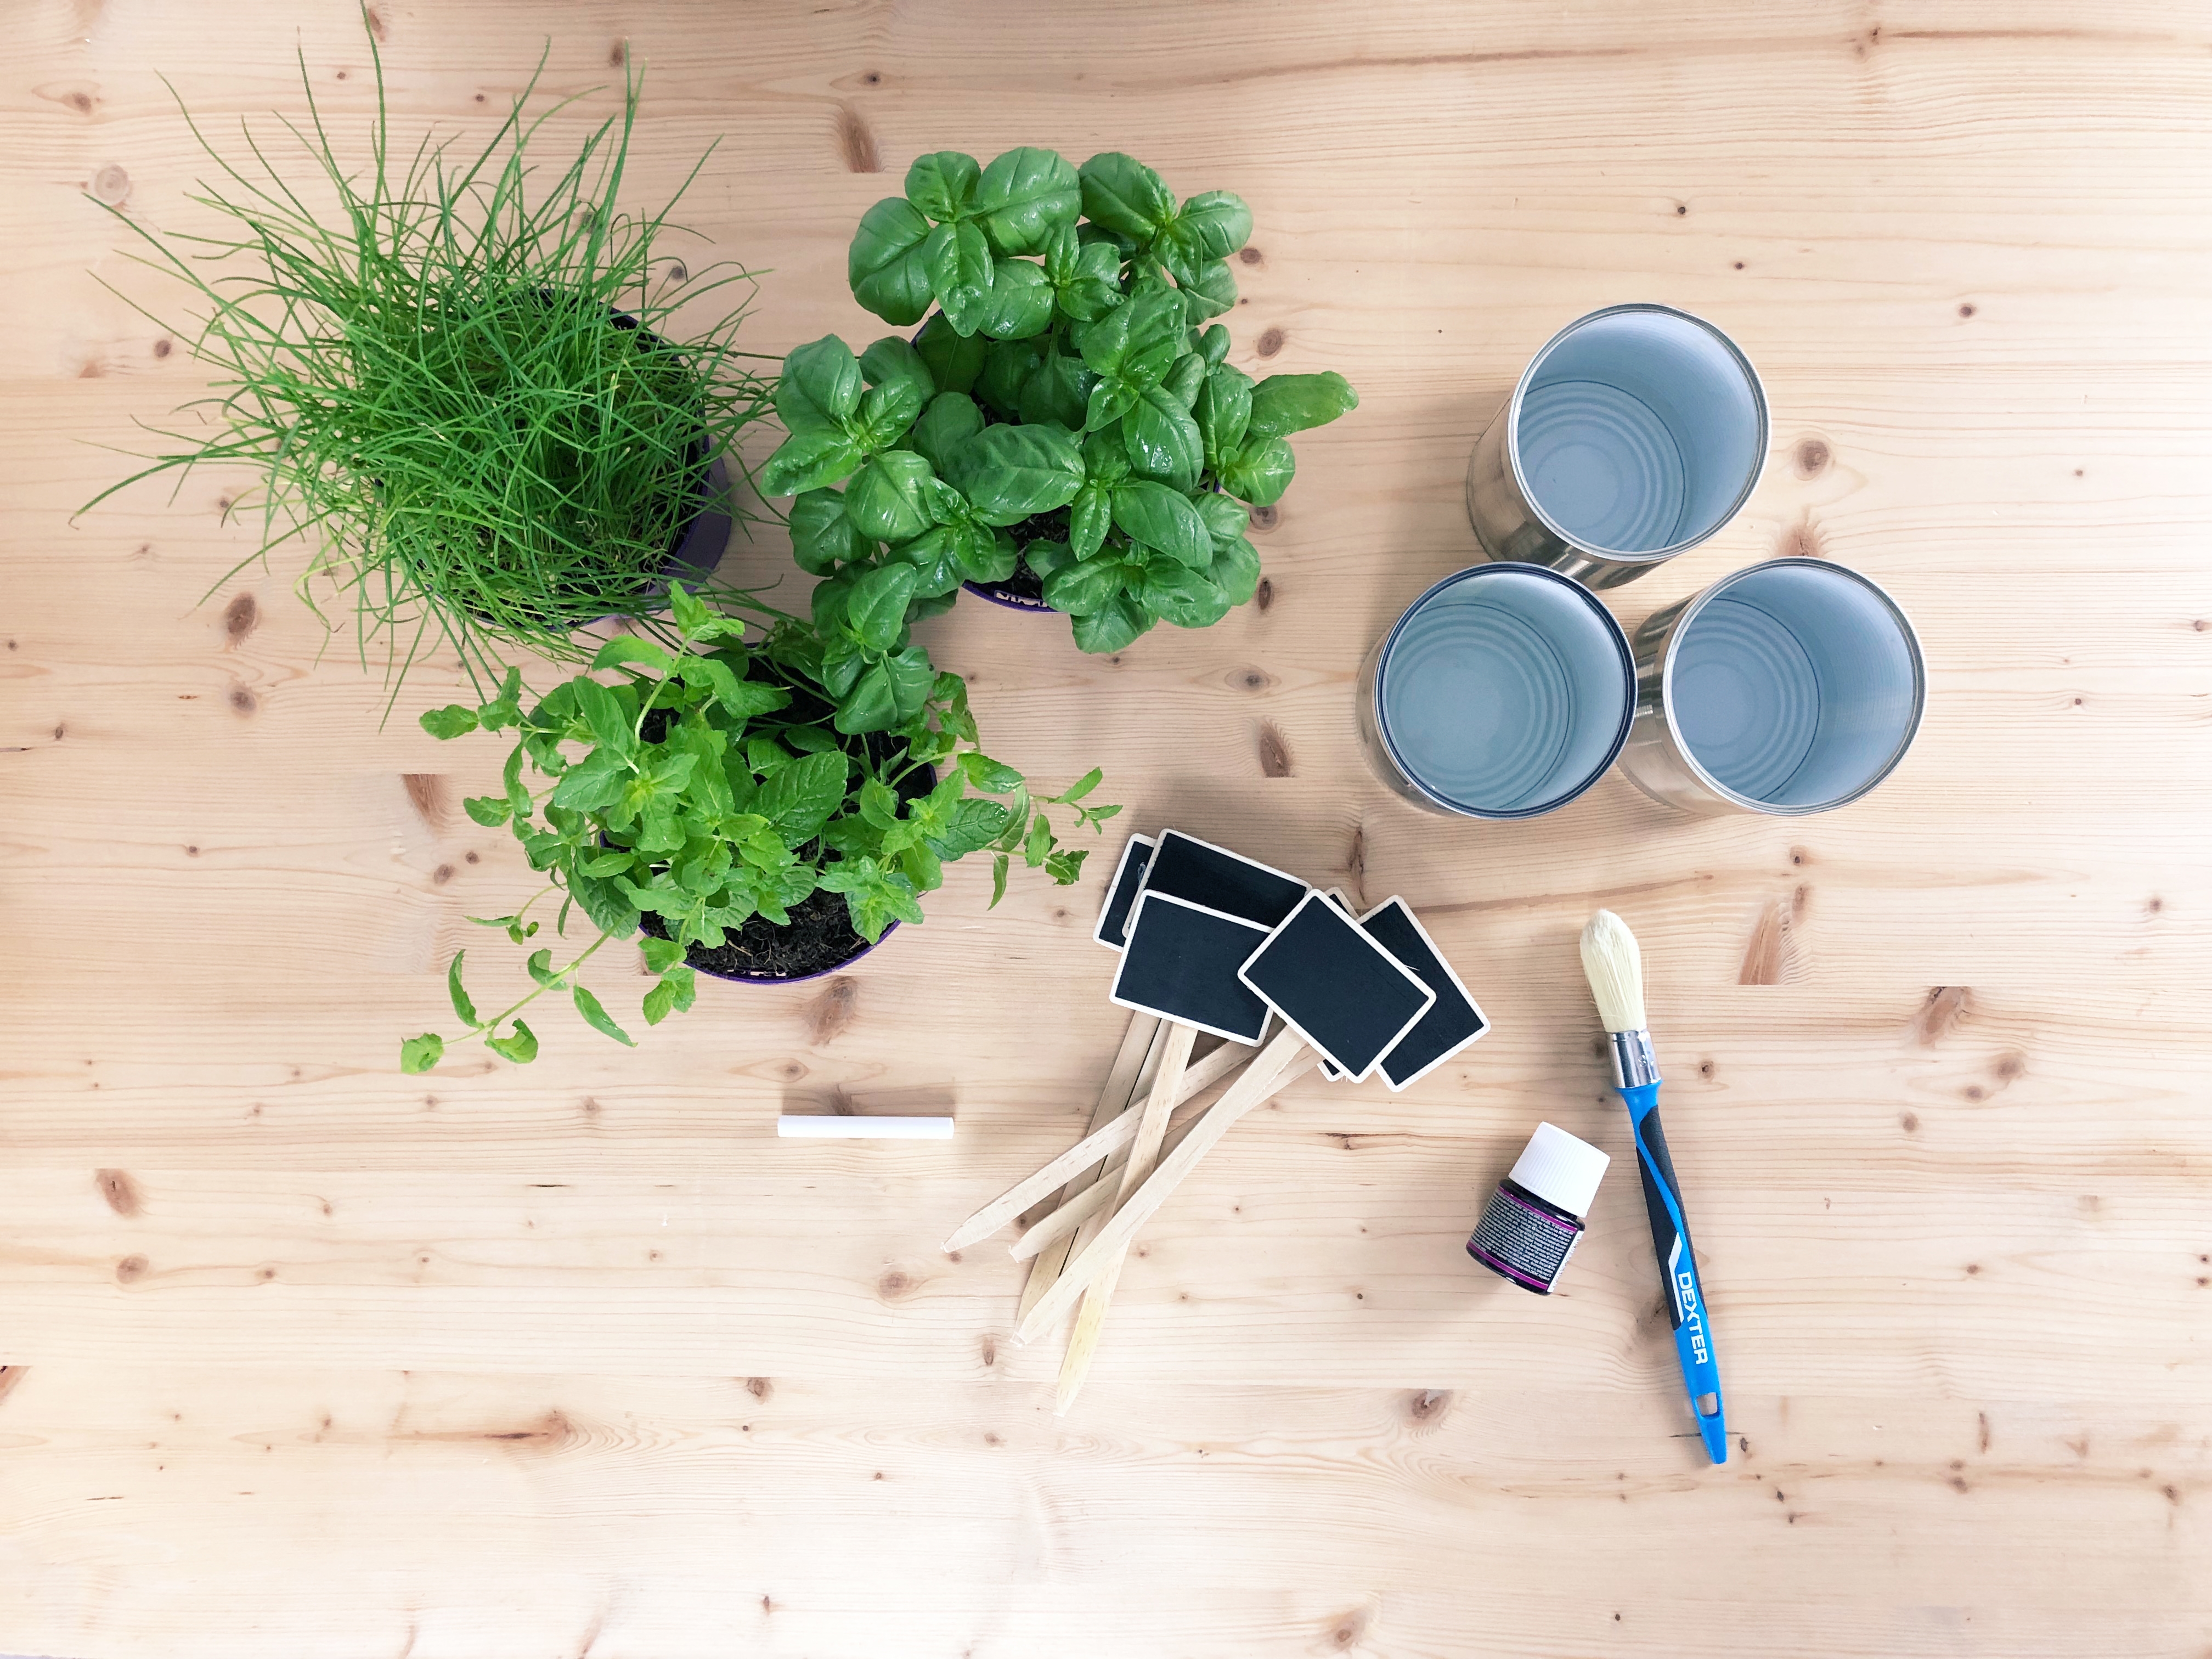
x=1523 y=1239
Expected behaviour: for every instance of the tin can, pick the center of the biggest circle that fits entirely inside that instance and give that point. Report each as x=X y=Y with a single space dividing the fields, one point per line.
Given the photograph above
x=1637 y=432
x=1789 y=688
x=1503 y=692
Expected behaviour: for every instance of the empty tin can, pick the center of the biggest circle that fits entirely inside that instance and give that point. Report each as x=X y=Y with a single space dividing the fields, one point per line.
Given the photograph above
x=1633 y=435
x=1503 y=692
x=1790 y=688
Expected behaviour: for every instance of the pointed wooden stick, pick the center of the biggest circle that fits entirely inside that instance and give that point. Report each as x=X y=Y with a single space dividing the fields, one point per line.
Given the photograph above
x=1281 y=1063
x=1122 y=1083
x=1202 y=1074
x=1051 y=1234
x=1144 y=1153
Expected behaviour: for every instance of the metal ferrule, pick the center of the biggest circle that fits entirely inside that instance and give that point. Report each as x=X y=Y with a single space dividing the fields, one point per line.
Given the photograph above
x=1633 y=1063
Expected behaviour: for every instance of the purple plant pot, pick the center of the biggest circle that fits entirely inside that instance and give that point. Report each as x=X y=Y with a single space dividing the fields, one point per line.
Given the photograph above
x=799 y=979
x=998 y=595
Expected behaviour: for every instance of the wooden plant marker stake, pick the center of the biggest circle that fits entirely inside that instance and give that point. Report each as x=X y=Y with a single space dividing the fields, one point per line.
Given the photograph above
x=1101 y=1142
x=1144 y=1152
x=1136 y=1056
x=1284 y=1061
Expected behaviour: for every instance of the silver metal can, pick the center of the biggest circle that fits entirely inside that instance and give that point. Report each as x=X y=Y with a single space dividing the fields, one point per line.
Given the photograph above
x=1503 y=692
x=1789 y=688
x=1636 y=433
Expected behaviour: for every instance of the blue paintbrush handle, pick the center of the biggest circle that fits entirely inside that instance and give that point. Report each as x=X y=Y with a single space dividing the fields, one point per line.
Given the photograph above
x=1678 y=1267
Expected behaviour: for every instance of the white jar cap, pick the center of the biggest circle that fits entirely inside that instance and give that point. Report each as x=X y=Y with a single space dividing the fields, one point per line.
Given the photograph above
x=1561 y=1169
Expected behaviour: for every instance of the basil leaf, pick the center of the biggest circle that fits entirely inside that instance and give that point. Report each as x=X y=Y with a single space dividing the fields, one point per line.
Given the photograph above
x=1161 y=517
x=1009 y=473
x=954 y=362
x=627 y=647
x=1213 y=346
x=1208 y=290
x=951 y=419
x=885 y=265
x=937 y=571
x=1007 y=366
x=1059 y=392
x=1182 y=596
x=885 y=500
x=886 y=414
x=1224 y=516
x=1259 y=471
x=1080 y=589
x=820 y=387
x=1213 y=224
x=1137 y=340
x=809 y=461
x=1096 y=287
x=1223 y=409
x=961 y=270
x=742 y=699
x=1088 y=519
x=1025 y=196
x=1284 y=404
x=876 y=609
x=943 y=185
x=870 y=706
x=1162 y=440
x=1124 y=195
x=822 y=536
x=911 y=679
x=891 y=362
x=1110 y=400
x=1019 y=303
x=984 y=555
x=1047 y=557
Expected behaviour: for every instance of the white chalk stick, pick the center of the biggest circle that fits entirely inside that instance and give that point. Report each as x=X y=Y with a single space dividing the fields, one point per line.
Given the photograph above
x=824 y=1126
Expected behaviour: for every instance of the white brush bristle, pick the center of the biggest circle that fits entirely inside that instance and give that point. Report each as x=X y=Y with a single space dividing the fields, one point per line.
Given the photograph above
x=1615 y=967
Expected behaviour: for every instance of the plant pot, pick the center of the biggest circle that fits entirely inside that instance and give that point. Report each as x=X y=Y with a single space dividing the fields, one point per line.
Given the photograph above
x=794 y=964
x=1014 y=593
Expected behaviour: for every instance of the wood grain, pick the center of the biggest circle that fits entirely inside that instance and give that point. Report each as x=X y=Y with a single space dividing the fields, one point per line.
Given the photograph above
x=303 y=1359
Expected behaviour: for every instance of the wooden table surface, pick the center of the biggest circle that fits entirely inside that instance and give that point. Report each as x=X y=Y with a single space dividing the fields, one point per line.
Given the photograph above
x=308 y=1358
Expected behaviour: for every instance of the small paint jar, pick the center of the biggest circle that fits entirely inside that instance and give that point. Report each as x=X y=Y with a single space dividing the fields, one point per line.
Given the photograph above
x=1535 y=1219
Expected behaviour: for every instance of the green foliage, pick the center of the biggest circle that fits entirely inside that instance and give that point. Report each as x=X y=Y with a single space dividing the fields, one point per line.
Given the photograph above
x=711 y=780
x=459 y=376
x=1067 y=403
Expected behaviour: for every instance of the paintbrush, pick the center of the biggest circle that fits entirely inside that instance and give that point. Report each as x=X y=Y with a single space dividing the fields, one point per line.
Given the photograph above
x=1615 y=967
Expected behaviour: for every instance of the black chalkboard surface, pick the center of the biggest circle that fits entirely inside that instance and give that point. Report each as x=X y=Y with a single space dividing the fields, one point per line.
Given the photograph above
x=1202 y=874
x=1181 y=962
x=1453 y=1020
x=1112 y=931
x=1344 y=993
x=1329 y=1068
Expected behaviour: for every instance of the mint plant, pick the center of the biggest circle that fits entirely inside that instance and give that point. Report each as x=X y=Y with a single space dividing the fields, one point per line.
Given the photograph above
x=705 y=793
x=1067 y=407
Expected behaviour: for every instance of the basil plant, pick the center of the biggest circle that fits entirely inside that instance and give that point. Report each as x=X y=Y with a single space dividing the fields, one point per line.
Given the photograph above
x=1066 y=410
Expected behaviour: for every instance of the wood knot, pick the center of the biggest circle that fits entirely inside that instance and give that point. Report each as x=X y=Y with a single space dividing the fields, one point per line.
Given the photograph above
x=163 y=347
x=111 y=184
x=1251 y=679
x=856 y=144
x=243 y=701
x=1940 y=1011
x=1265 y=518
x=1909 y=1122
x=760 y=1387
x=120 y=1191
x=832 y=1011
x=895 y=1285
x=130 y=1269
x=1812 y=456
x=1271 y=342
x=1966 y=310
x=1345 y=1630
x=1249 y=256
x=1428 y=1406
x=1275 y=753
x=1264 y=594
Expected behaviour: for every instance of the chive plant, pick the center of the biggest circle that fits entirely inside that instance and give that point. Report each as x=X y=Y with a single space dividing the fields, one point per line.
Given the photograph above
x=463 y=378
